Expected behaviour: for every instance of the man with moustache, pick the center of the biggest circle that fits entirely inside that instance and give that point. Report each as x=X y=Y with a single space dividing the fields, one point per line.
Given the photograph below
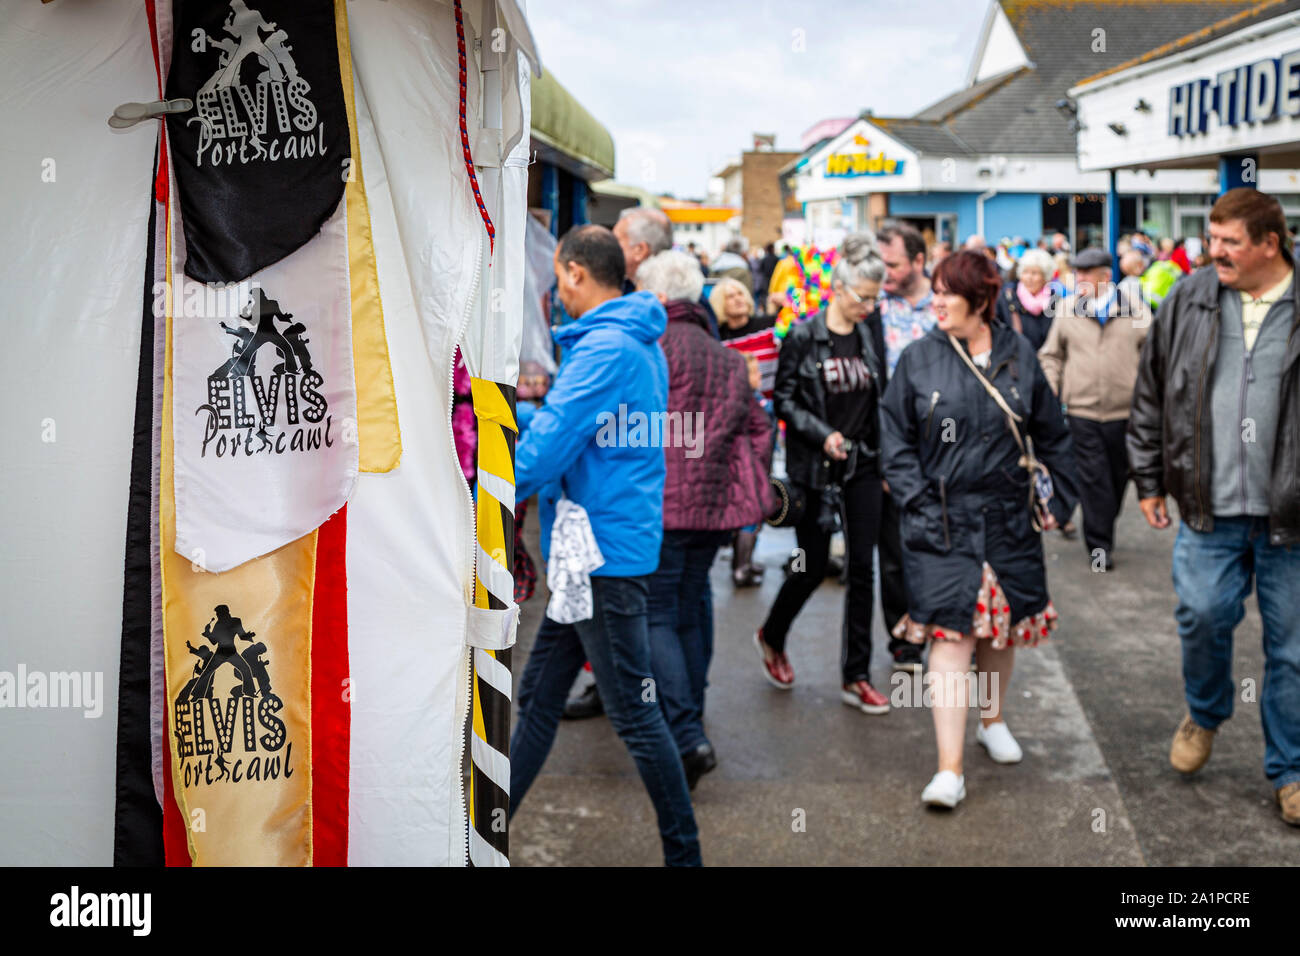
x=1216 y=423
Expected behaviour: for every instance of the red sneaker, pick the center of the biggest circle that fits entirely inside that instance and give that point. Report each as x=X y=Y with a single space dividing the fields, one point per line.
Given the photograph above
x=866 y=698
x=777 y=670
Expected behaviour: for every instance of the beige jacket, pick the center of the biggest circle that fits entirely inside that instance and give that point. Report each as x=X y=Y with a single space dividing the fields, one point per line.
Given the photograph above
x=1093 y=367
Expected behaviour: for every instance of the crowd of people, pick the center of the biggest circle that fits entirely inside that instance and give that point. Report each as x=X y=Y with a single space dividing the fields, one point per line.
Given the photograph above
x=941 y=412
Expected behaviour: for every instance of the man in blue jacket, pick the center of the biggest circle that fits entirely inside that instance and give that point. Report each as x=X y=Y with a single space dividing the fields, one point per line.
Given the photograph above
x=613 y=376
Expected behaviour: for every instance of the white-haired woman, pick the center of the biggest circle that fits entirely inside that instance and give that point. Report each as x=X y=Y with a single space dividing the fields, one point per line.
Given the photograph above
x=828 y=393
x=1028 y=303
x=717 y=446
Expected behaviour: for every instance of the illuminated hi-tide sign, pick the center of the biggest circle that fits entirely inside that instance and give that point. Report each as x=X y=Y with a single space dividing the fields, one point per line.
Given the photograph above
x=862 y=164
x=1253 y=93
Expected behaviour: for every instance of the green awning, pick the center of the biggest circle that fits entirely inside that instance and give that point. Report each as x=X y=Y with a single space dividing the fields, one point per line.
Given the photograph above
x=566 y=134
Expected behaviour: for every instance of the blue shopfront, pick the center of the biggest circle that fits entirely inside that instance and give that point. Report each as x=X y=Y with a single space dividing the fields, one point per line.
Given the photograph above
x=958 y=215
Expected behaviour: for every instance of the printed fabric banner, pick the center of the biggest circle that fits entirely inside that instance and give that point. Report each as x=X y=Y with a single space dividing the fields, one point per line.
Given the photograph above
x=264 y=392
x=265 y=407
x=238 y=648
x=262 y=158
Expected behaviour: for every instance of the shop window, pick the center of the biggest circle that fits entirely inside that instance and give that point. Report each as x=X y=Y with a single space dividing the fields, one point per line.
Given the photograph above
x=1128 y=214
x=1191 y=225
x=1089 y=220
x=1157 y=216
x=1056 y=214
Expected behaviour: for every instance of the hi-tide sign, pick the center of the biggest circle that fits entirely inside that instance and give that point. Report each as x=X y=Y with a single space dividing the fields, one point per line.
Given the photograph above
x=1253 y=93
x=862 y=164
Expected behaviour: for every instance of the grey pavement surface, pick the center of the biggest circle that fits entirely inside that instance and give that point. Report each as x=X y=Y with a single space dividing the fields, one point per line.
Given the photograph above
x=1094 y=710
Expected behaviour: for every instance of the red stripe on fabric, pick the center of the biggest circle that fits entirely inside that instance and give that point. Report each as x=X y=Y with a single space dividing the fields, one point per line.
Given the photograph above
x=160 y=184
x=152 y=14
x=176 y=842
x=331 y=717
x=160 y=180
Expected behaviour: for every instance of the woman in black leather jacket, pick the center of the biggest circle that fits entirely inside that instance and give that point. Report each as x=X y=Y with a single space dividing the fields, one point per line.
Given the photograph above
x=972 y=560
x=827 y=391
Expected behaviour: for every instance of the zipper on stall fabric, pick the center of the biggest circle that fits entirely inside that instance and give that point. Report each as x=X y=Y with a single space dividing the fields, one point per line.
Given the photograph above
x=468 y=670
x=943 y=504
x=934 y=400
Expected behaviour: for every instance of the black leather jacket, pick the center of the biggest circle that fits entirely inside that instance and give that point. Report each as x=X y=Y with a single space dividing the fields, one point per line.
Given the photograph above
x=1170 y=435
x=800 y=399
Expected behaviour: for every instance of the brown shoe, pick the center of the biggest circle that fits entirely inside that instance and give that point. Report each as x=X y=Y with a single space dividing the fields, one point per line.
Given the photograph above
x=1191 y=747
x=1288 y=799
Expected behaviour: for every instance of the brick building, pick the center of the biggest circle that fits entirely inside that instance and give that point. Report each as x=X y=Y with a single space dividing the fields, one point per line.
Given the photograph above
x=752 y=184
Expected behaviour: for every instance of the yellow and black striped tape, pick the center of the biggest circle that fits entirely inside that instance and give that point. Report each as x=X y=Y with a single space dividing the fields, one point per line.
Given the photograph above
x=489 y=796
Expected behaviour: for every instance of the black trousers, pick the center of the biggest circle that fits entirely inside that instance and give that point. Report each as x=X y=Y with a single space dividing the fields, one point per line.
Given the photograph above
x=861 y=522
x=1103 y=474
x=893 y=592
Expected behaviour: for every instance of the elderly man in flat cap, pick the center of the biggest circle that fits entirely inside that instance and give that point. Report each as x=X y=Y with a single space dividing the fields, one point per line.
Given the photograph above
x=1091 y=361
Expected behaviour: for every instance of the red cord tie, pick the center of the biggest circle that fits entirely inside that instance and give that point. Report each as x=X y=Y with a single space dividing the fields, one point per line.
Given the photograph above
x=464 y=134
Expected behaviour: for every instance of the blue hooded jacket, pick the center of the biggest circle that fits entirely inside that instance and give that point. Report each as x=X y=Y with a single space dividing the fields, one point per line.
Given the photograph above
x=613 y=377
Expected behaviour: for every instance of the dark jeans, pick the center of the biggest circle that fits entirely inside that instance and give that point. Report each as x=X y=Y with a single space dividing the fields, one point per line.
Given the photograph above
x=681 y=630
x=893 y=592
x=1212 y=576
x=617 y=643
x=1103 y=472
x=861 y=522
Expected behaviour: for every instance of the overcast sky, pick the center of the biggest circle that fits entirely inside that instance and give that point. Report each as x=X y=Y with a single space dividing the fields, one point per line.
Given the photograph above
x=683 y=84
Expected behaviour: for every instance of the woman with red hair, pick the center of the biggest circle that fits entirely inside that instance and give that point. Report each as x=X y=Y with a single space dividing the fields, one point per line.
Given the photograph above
x=967 y=417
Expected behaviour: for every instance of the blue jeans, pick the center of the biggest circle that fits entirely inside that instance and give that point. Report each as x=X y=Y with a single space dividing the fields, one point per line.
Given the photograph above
x=681 y=630
x=1212 y=577
x=617 y=643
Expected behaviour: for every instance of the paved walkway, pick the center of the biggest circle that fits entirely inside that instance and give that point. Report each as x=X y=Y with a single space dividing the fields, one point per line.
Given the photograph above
x=1094 y=711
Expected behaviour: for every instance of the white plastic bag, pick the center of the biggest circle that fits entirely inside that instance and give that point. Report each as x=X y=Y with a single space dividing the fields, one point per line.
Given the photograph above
x=574 y=555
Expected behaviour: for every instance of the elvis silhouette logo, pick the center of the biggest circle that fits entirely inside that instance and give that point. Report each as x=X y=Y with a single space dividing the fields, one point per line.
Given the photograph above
x=277 y=413
x=225 y=721
x=261 y=160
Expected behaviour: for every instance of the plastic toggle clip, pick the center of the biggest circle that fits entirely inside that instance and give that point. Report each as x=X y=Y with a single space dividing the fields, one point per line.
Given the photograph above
x=128 y=114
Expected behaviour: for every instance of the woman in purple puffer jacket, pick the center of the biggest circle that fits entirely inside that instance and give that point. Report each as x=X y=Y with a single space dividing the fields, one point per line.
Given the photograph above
x=717 y=444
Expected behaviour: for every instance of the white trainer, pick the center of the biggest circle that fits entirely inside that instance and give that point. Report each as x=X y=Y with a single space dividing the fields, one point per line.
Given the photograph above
x=945 y=789
x=997 y=740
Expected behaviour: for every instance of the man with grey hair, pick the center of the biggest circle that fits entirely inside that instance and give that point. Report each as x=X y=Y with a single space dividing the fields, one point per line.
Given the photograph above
x=642 y=232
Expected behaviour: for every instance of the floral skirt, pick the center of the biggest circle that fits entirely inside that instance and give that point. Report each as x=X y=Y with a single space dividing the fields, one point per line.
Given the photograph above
x=991 y=621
